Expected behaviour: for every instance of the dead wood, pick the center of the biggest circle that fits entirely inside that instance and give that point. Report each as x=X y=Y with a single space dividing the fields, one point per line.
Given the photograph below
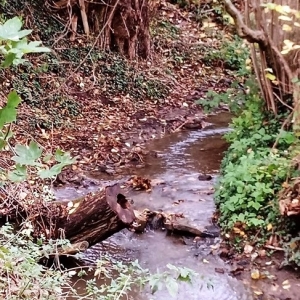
x=85 y=221
x=98 y=216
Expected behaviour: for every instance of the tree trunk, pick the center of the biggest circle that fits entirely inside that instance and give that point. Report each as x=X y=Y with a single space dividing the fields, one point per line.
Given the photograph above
x=121 y=25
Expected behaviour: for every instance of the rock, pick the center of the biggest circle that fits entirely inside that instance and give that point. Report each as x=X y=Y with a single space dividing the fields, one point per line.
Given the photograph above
x=219 y=270
x=109 y=171
x=204 y=177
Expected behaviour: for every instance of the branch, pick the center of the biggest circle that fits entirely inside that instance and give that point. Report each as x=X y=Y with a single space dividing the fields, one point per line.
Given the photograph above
x=252 y=36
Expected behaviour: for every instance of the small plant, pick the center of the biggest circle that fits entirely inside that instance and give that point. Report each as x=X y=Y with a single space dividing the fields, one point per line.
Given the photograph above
x=21 y=276
x=14 y=44
x=234 y=98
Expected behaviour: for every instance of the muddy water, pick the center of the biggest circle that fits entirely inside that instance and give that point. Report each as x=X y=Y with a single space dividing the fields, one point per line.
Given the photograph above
x=181 y=158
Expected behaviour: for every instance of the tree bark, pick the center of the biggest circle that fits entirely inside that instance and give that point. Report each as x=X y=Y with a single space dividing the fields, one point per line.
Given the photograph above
x=84 y=221
x=98 y=216
x=121 y=25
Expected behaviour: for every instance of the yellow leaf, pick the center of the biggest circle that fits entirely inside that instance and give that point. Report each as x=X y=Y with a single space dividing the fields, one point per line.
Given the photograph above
x=258 y=293
x=286 y=51
x=255 y=274
x=286 y=27
x=293 y=245
x=296 y=24
x=283 y=9
x=269 y=227
x=236 y=230
x=288 y=43
x=286 y=285
x=285 y=185
x=248 y=61
x=285 y=18
x=270 y=76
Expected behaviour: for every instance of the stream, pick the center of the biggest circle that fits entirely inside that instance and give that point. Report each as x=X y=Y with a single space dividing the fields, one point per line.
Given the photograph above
x=181 y=158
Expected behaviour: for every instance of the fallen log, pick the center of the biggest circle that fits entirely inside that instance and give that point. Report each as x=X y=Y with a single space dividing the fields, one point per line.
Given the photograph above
x=98 y=216
x=90 y=219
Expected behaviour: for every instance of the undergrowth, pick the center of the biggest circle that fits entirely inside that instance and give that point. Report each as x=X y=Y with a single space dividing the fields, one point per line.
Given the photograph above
x=253 y=171
x=63 y=81
x=23 y=277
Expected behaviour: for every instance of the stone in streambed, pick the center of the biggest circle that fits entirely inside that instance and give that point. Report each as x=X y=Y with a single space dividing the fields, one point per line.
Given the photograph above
x=204 y=177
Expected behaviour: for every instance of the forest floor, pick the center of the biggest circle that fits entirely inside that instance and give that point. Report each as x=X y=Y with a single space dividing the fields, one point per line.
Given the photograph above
x=103 y=109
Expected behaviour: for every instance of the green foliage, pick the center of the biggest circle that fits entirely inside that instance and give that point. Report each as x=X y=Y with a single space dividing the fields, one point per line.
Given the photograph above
x=14 y=44
x=30 y=157
x=8 y=113
x=247 y=190
x=252 y=173
x=232 y=54
x=234 y=98
x=22 y=277
x=132 y=275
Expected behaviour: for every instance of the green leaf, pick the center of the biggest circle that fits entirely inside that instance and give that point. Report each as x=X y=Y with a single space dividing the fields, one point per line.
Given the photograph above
x=155 y=283
x=27 y=155
x=64 y=157
x=172 y=286
x=9 y=59
x=172 y=267
x=47 y=157
x=19 y=174
x=24 y=47
x=8 y=113
x=13 y=99
x=10 y=30
x=49 y=173
x=3 y=143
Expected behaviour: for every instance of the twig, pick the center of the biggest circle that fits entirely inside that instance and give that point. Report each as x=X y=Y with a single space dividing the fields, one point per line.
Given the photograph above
x=274 y=248
x=282 y=126
x=179 y=127
x=252 y=36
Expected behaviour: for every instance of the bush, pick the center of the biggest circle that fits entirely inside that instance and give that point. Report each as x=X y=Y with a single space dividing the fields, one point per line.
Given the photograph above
x=252 y=172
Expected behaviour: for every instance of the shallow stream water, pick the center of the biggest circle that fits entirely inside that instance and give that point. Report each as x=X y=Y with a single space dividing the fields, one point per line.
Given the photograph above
x=181 y=158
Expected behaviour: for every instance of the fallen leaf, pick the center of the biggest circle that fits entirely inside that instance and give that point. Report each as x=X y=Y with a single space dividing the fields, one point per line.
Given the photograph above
x=286 y=284
x=255 y=274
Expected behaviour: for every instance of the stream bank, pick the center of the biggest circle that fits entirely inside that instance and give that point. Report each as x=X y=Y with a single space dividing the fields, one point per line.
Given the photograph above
x=180 y=158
